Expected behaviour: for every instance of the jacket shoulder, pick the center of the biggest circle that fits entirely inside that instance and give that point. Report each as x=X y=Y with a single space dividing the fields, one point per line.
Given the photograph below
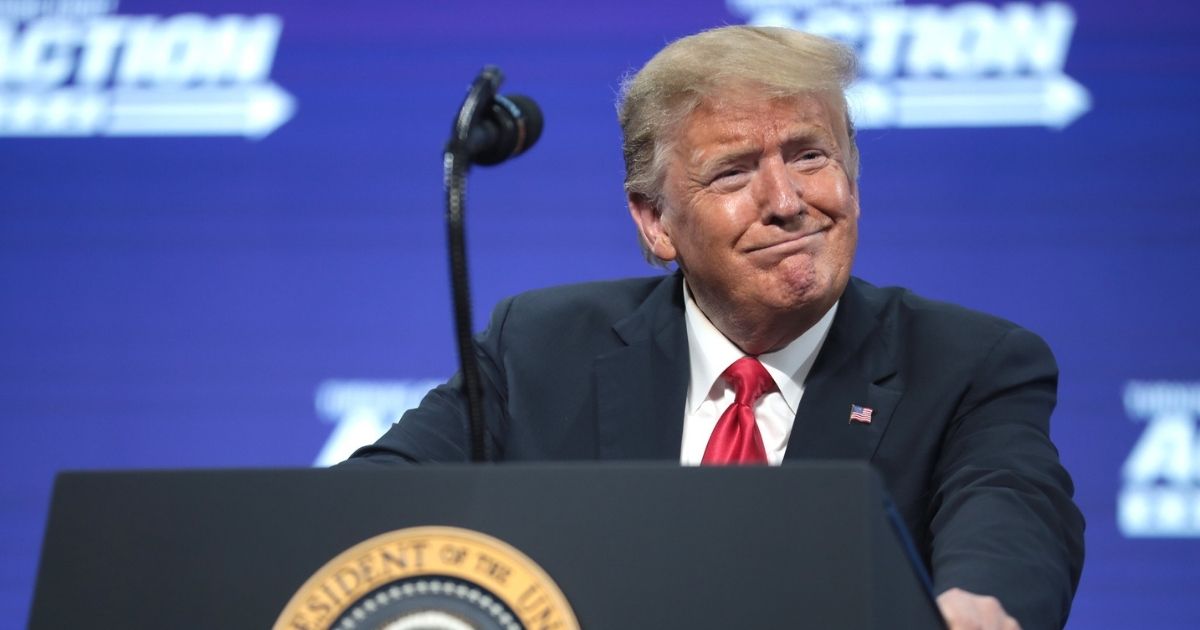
x=601 y=302
x=624 y=294
x=937 y=325
x=573 y=312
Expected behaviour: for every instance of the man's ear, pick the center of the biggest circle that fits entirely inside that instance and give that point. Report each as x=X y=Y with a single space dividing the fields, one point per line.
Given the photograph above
x=648 y=218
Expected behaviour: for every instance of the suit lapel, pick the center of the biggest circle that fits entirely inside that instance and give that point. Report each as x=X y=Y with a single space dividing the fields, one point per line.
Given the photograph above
x=855 y=366
x=641 y=387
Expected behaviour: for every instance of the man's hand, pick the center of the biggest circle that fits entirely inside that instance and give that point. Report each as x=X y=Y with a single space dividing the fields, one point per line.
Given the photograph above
x=968 y=611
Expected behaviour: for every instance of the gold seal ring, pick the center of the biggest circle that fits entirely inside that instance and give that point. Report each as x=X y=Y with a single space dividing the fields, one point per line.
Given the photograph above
x=425 y=572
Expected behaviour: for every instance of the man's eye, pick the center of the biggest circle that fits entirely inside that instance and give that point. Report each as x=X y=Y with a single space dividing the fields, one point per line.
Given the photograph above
x=729 y=174
x=810 y=159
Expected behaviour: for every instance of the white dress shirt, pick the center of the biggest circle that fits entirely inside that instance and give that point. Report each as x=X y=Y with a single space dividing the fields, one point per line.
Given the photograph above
x=710 y=353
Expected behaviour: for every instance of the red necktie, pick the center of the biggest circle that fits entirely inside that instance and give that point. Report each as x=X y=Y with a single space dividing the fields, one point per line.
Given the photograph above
x=736 y=439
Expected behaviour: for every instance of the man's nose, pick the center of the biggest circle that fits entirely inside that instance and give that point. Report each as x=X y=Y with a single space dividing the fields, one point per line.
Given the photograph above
x=779 y=193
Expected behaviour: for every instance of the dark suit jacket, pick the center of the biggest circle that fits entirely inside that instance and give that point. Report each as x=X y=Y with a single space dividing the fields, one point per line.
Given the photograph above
x=960 y=431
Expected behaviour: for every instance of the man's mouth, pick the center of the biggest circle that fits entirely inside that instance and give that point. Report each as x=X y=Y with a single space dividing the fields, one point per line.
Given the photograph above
x=789 y=245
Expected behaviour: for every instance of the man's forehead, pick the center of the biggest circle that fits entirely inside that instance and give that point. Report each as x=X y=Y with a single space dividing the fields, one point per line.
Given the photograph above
x=738 y=121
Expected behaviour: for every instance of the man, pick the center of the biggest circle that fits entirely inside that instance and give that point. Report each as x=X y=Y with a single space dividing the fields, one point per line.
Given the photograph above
x=741 y=169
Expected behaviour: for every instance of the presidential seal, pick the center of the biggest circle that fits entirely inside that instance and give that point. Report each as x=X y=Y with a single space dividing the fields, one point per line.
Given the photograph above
x=429 y=578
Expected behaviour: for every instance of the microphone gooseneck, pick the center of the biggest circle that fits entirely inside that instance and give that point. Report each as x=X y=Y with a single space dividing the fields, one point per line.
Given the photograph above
x=489 y=129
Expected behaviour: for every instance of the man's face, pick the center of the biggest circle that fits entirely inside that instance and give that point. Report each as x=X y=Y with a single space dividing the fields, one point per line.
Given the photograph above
x=757 y=206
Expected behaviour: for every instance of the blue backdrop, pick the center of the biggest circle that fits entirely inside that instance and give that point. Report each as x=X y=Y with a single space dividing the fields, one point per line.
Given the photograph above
x=221 y=240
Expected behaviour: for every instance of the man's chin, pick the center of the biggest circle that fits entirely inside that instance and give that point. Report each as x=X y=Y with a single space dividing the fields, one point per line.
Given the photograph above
x=806 y=288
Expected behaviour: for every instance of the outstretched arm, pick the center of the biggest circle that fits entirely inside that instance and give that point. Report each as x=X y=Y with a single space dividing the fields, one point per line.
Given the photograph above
x=1003 y=522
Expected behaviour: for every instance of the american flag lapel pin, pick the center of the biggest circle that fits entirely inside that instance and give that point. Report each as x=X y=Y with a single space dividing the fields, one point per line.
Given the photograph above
x=860 y=414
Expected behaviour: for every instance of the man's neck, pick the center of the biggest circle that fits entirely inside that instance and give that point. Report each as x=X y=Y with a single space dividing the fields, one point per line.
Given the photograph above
x=757 y=330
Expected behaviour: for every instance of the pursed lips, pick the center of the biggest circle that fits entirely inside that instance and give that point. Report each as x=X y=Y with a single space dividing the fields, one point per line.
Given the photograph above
x=786 y=245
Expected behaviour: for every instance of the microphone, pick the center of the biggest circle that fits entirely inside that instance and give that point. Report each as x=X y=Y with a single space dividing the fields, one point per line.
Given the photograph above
x=507 y=127
x=488 y=129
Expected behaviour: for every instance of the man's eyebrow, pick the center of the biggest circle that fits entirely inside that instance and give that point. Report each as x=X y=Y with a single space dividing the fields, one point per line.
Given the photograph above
x=808 y=135
x=729 y=157
x=738 y=154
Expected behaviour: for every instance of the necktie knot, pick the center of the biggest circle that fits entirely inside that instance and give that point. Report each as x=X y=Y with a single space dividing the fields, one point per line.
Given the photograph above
x=749 y=379
x=736 y=439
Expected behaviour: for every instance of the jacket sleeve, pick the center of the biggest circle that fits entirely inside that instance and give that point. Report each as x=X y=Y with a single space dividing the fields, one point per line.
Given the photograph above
x=437 y=430
x=1003 y=522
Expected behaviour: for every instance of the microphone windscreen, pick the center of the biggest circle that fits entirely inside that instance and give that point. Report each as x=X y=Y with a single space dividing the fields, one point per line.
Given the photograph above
x=532 y=115
x=510 y=125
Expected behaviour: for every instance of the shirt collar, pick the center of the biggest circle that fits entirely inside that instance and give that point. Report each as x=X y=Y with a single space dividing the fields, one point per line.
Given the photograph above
x=710 y=353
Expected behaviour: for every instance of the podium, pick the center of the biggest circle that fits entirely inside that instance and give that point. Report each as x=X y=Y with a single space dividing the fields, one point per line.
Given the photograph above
x=629 y=545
